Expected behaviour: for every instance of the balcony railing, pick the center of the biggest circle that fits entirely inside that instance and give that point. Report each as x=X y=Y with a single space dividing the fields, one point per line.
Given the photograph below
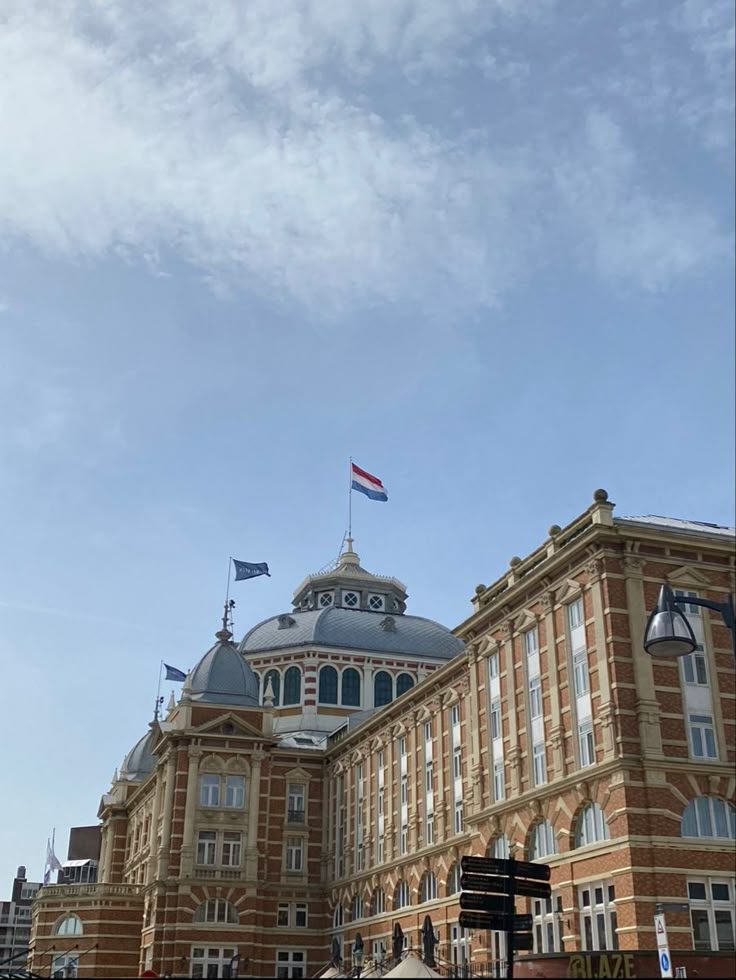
x=295 y=816
x=98 y=890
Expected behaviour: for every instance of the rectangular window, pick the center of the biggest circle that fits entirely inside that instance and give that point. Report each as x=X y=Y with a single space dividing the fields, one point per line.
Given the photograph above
x=430 y=829
x=234 y=791
x=231 y=849
x=404 y=842
x=531 y=644
x=496 y=720
x=458 y=823
x=455 y=715
x=712 y=914
x=296 y=803
x=493 y=665
x=499 y=787
x=282 y=916
x=211 y=961
x=575 y=614
x=580 y=671
x=702 y=737
x=209 y=790
x=294 y=854
x=547 y=913
x=585 y=743
x=291 y=963
x=535 y=698
x=540 y=765
x=694 y=669
x=206 y=847
x=598 y=916
x=457 y=764
x=300 y=915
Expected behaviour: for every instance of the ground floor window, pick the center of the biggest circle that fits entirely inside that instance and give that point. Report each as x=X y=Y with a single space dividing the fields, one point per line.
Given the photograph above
x=712 y=913
x=212 y=961
x=65 y=965
x=291 y=963
x=546 y=912
x=596 y=903
x=460 y=950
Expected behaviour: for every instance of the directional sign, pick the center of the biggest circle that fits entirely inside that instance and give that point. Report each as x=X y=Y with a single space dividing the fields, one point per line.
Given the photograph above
x=523 y=923
x=533 y=889
x=484 y=883
x=523 y=940
x=481 y=920
x=505 y=866
x=477 y=902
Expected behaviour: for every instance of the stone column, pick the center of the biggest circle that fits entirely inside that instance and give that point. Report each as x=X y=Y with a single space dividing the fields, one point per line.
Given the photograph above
x=187 y=844
x=165 y=845
x=415 y=785
x=513 y=756
x=556 y=730
x=105 y=852
x=472 y=701
x=369 y=795
x=389 y=817
x=647 y=706
x=254 y=806
x=606 y=709
x=440 y=807
x=153 y=842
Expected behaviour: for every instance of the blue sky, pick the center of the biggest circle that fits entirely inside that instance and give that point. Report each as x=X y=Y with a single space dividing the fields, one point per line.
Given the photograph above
x=484 y=247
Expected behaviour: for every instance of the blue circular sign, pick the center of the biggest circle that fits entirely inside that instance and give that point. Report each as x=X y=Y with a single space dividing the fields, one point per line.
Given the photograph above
x=664 y=961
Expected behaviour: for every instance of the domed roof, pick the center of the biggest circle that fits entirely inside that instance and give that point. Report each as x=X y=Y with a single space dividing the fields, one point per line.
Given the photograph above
x=140 y=761
x=222 y=676
x=353 y=629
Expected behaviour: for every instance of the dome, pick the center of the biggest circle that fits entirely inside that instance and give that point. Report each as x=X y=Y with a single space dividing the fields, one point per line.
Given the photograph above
x=140 y=761
x=223 y=677
x=353 y=629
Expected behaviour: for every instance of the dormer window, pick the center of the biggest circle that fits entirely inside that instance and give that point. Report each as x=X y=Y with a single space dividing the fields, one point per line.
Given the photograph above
x=325 y=599
x=351 y=599
x=376 y=603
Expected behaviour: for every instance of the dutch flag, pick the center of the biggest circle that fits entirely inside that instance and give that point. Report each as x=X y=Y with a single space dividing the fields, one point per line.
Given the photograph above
x=370 y=485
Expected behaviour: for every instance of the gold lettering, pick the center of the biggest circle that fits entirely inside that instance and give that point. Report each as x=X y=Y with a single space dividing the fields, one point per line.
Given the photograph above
x=604 y=967
x=576 y=967
x=629 y=965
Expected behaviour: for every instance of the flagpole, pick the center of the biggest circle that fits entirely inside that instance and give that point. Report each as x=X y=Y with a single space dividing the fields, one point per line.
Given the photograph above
x=350 y=499
x=158 y=690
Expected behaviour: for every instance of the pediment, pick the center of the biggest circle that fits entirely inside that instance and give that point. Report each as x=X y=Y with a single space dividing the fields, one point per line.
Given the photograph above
x=487 y=646
x=568 y=590
x=687 y=575
x=229 y=726
x=525 y=620
x=298 y=775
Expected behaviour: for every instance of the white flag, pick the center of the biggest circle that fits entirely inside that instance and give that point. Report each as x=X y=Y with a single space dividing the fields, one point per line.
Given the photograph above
x=52 y=862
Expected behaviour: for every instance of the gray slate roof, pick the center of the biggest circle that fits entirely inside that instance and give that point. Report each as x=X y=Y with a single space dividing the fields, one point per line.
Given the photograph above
x=140 y=761
x=354 y=629
x=676 y=524
x=223 y=677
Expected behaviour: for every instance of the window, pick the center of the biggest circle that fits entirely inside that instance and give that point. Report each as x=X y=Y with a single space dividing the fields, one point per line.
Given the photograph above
x=457 y=822
x=380 y=807
x=328 y=685
x=378 y=902
x=338 y=917
x=500 y=846
x=541 y=841
x=707 y=816
x=580 y=671
x=592 y=826
x=585 y=743
x=712 y=913
x=356 y=909
x=382 y=688
x=404 y=683
x=295 y=808
x=217 y=910
x=428 y=887
x=65 y=965
x=325 y=599
x=291 y=963
x=376 y=603
x=455 y=715
x=351 y=687
x=275 y=678
x=294 y=854
x=496 y=720
x=540 y=765
x=209 y=790
x=351 y=599
x=231 y=849
x=694 y=668
x=546 y=917
x=598 y=916
x=234 y=792
x=575 y=614
x=282 y=915
x=702 y=737
x=499 y=785
x=493 y=665
x=401 y=895
x=212 y=961
x=292 y=686
x=70 y=925
x=206 y=847
x=300 y=915
x=531 y=644
x=535 y=698
x=453 y=880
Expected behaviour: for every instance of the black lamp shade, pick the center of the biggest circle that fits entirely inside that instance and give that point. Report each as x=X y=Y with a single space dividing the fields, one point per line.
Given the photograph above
x=668 y=633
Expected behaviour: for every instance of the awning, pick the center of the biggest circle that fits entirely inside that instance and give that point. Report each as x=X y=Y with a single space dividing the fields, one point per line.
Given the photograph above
x=76 y=864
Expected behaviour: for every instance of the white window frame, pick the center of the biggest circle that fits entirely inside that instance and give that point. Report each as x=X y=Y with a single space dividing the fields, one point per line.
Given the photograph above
x=580 y=672
x=598 y=914
x=586 y=744
x=592 y=826
x=296 y=802
x=493 y=665
x=209 y=789
x=206 y=848
x=499 y=780
x=294 y=862
x=200 y=959
x=234 y=792
x=283 y=915
x=540 y=764
x=65 y=965
x=232 y=849
x=535 y=697
x=496 y=722
x=699 y=727
x=291 y=963
x=719 y=814
x=546 y=915
x=376 y=603
x=355 y=595
x=716 y=911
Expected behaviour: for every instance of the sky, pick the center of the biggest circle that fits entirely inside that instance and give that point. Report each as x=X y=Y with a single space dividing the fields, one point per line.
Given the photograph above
x=484 y=247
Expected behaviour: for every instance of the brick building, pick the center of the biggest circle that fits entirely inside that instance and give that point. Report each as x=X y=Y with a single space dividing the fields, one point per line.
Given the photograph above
x=267 y=816
x=15 y=922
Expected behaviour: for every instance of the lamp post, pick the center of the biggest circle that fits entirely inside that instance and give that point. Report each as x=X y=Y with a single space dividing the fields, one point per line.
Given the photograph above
x=358 y=953
x=669 y=634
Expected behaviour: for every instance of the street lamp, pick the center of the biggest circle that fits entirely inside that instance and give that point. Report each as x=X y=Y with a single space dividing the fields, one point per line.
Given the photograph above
x=358 y=953
x=669 y=634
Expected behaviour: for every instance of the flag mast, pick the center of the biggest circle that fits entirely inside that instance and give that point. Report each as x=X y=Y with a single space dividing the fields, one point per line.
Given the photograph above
x=158 y=690
x=350 y=499
x=227 y=611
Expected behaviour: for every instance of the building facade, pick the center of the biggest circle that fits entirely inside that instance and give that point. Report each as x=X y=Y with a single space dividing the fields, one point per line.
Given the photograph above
x=272 y=814
x=15 y=922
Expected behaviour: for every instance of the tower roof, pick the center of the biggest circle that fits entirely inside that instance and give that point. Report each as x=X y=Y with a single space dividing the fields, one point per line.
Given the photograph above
x=222 y=676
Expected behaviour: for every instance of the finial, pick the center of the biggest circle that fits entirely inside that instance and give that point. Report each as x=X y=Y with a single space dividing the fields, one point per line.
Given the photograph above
x=349 y=557
x=600 y=496
x=268 y=694
x=171 y=706
x=227 y=619
x=186 y=688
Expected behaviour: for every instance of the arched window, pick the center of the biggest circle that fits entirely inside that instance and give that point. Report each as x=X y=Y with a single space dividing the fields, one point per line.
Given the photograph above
x=217 y=910
x=707 y=816
x=383 y=688
x=338 y=917
x=401 y=895
x=592 y=826
x=403 y=683
x=351 y=686
x=453 y=879
x=541 y=840
x=292 y=686
x=70 y=925
x=258 y=682
x=378 y=902
x=356 y=911
x=427 y=887
x=498 y=847
x=327 y=685
x=275 y=678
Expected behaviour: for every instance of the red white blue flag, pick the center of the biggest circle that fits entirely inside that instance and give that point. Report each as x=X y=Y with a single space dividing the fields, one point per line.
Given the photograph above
x=368 y=484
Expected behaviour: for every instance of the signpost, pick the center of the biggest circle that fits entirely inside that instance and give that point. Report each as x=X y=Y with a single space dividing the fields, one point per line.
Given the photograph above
x=663 y=949
x=482 y=909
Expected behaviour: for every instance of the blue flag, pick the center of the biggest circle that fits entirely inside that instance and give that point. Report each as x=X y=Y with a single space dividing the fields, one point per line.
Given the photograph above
x=249 y=569
x=174 y=674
